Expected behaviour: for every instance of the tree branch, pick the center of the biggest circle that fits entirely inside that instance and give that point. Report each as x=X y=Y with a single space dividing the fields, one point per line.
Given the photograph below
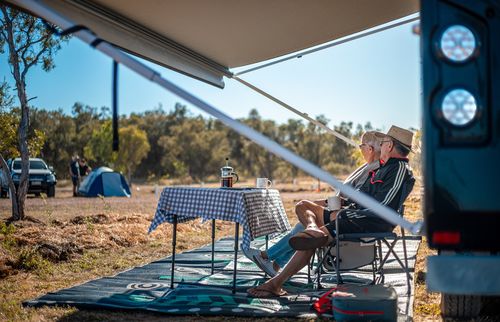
x=27 y=45
x=23 y=49
x=33 y=62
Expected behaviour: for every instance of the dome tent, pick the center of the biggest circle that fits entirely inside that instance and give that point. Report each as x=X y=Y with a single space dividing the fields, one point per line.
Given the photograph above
x=105 y=182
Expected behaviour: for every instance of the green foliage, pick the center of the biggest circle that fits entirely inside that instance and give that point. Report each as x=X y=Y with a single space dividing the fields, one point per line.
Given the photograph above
x=8 y=132
x=29 y=259
x=34 y=42
x=7 y=230
x=157 y=144
x=134 y=147
x=99 y=148
x=6 y=98
x=193 y=148
x=416 y=154
x=9 y=124
x=8 y=240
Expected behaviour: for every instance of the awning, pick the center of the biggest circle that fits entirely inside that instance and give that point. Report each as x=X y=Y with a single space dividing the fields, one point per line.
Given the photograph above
x=205 y=39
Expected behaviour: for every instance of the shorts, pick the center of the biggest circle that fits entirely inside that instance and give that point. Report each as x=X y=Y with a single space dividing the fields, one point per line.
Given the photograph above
x=75 y=180
x=356 y=221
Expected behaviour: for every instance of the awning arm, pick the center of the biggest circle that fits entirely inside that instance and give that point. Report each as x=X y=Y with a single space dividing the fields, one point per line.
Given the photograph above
x=301 y=114
x=331 y=44
x=367 y=201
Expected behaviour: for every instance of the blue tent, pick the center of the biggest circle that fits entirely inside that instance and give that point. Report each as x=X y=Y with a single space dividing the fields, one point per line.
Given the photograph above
x=105 y=182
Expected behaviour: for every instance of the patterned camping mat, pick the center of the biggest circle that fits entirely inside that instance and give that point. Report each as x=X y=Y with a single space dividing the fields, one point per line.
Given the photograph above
x=197 y=292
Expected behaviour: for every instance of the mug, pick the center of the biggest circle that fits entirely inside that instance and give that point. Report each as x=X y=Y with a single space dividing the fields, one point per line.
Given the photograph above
x=263 y=183
x=334 y=203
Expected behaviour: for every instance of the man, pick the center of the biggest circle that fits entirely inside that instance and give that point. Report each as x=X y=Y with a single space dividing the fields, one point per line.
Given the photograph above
x=276 y=257
x=385 y=185
x=74 y=173
x=83 y=167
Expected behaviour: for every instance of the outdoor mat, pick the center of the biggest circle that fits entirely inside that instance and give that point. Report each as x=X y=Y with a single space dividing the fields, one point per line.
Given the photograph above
x=197 y=292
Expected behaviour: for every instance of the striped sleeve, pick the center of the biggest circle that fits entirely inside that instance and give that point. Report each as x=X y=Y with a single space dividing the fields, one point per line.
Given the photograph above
x=356 y=174
x=391 y=184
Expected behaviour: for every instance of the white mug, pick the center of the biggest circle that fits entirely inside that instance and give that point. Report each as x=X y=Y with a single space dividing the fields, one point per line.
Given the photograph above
x=263 y=183
x=334 y=203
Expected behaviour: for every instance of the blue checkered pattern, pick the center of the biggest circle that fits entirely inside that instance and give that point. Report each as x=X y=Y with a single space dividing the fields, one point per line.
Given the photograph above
x=259 y=211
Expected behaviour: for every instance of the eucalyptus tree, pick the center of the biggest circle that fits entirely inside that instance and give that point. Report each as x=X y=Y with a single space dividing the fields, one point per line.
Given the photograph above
x=29 y=43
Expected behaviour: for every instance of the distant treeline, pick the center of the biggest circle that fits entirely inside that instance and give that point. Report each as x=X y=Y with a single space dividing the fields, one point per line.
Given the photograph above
x=157 y=144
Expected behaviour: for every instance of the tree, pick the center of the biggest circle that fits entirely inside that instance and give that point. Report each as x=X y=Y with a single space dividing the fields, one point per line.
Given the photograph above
x=60 y=128
x=86 y=122
x=194 y=148
x=9 y=123
x=134 y=147
x=99 y=147
x=29 y=43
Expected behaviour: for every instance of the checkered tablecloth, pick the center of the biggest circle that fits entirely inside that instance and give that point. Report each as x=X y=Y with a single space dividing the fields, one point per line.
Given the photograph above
x=259 y=211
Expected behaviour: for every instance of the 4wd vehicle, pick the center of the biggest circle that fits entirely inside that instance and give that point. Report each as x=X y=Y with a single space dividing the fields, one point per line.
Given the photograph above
x=41 y=177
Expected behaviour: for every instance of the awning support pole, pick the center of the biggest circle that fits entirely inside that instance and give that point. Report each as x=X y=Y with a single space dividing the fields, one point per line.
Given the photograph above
x=331 y=44
x=299 y=113
x=115 y=106
x=367 y=201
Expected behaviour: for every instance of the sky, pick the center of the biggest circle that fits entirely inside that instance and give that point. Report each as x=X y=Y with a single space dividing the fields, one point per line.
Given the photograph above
x=374 y=79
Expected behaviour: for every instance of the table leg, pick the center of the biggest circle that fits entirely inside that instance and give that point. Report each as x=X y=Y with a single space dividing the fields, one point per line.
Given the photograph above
x=213 y=245
x=267 y=247
x=174 y=242
x=236 y=241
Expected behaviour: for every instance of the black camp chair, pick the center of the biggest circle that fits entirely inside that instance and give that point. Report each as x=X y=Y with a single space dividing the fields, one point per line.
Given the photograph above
x=357 y=250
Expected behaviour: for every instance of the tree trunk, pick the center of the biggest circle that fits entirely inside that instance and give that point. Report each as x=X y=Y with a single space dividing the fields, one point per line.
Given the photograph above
x=24 y=124
x=12 y=187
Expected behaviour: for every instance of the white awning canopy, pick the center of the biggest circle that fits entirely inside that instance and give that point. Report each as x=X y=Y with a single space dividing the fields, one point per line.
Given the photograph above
x=205 y=39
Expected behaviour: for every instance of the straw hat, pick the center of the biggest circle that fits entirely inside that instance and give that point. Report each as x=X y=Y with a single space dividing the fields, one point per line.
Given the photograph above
x=403 y=136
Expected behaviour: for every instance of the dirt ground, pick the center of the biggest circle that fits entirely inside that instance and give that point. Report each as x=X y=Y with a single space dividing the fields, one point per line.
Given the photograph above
x=74 y=240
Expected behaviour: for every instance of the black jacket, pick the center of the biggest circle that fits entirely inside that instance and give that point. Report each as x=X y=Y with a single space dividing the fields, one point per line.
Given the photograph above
x=385 y=185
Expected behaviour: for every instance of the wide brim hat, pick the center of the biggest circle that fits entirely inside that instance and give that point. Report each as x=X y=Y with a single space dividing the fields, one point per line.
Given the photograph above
x=405 y=137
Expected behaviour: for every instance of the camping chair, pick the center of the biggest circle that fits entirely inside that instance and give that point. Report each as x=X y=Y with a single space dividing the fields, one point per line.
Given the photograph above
x=357 y=250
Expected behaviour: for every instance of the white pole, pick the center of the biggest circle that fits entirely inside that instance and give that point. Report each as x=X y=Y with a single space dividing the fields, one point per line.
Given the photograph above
x=299 y=113
x=382 y=211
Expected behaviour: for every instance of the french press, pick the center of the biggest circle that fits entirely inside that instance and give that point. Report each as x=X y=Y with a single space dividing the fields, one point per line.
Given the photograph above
x=226 y=175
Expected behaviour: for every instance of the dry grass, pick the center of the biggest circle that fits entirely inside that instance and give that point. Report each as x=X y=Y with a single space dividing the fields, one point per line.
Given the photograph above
x=79 y=239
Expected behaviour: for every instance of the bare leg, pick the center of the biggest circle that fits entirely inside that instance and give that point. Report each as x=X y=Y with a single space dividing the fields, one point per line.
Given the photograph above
x=274 y=285
x=264 y=255
x=310 y=214
x=298 y=261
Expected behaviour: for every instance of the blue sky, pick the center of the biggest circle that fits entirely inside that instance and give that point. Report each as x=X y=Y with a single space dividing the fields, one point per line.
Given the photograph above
x=375 y=78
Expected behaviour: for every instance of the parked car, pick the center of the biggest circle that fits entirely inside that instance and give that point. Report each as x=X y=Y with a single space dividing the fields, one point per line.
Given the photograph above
x=42 y=178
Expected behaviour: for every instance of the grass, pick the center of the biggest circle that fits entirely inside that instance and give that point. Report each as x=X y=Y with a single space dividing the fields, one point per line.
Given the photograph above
x=82 y=239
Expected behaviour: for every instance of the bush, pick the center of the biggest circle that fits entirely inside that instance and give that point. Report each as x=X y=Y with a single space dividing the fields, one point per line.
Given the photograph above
x=6 y=232
x=30 y=259
x=338 y=169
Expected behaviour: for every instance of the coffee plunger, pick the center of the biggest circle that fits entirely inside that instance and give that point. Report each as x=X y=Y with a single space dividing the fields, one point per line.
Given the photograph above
x=226 y=175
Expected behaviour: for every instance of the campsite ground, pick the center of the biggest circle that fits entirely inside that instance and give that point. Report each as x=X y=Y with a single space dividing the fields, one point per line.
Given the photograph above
x=73 y=240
